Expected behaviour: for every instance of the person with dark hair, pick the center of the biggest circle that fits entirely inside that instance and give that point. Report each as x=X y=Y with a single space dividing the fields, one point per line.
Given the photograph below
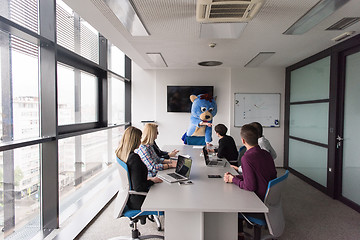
x=258 y=167
x=262 y=141
x=227 y=147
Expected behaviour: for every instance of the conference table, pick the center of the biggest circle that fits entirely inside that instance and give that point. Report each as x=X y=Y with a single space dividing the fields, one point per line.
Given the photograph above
x=208 y=208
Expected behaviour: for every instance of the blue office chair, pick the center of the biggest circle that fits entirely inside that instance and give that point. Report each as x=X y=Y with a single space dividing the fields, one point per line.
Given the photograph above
x=241 y=152
x=274 y=219
x=122 y=210
x=193 y=140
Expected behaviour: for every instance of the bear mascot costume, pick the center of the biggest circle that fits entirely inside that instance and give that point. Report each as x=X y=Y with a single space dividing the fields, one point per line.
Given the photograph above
x=203 y=110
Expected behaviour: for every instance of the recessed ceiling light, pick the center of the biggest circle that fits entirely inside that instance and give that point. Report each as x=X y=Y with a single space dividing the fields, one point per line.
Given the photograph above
x=127 y=15
x=157 y=59
x=210 y=63
x=259 y=58
x=315 y=15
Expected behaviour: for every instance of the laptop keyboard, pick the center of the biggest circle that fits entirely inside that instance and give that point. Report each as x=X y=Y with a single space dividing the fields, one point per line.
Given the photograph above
x=174 y=175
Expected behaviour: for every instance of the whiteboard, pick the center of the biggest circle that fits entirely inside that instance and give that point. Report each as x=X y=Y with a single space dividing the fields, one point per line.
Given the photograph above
x=257 y=107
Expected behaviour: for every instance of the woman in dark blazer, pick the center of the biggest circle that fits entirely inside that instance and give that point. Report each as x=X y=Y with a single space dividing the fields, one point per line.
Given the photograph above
x=137 y=170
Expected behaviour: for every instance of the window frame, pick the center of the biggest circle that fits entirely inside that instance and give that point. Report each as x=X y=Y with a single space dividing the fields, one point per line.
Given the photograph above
x=50 y=54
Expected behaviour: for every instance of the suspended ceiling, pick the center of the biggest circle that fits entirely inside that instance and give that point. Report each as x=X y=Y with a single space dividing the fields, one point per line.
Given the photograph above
x=174 y=32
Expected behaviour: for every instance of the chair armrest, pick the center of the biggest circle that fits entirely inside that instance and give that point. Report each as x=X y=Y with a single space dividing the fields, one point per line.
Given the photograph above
x=137 y=193
x=247 y=219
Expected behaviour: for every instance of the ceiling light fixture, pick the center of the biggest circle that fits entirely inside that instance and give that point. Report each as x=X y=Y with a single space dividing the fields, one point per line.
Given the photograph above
x=259 y=58
x=125 y=12
x=157 y=59
x=343 y=36
x=315 y=15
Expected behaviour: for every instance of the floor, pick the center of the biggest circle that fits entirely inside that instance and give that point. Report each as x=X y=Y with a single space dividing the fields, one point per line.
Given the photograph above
x=309 y=214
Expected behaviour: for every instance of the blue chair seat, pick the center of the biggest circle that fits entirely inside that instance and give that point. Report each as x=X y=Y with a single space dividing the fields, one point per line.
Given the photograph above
x=256 y=218
x=127 y=212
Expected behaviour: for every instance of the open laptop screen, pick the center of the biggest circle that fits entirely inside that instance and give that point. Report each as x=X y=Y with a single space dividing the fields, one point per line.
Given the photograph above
x=206 y=155
x=183 y=166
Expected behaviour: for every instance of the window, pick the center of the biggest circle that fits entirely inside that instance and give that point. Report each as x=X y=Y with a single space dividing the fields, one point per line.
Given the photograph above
x=116 y=60
x=75 y=34
x=84 y=162
x=20 y=192
x=75 y=149
x=116 y=98
x=24 y=13
x=77 y=96
x=19 y=88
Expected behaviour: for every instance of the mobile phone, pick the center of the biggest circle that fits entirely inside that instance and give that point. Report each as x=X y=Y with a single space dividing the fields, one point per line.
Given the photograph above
x=214 y=176
x=185 y=183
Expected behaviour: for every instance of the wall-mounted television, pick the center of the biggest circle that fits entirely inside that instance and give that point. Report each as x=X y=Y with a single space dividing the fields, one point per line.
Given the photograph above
x=178 y=97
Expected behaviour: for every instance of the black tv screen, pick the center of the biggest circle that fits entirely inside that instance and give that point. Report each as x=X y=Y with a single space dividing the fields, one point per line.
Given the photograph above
x=178 y=97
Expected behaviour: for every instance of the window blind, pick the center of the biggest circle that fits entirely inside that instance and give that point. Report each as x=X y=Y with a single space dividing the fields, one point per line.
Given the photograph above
x=22 y=12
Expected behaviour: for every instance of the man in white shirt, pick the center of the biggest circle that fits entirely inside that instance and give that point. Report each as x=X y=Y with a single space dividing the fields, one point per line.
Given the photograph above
x=262 y=141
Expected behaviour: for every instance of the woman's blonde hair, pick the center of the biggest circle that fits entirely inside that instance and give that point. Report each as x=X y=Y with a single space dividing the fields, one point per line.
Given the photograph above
x=128 y=143
x=150 y=133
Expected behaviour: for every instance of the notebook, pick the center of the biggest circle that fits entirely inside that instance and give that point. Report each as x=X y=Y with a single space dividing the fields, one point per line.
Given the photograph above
x=214 y=162
x=182 y=171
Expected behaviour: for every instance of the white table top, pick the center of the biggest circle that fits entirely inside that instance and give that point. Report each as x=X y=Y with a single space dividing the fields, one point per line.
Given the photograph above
x=205 y=194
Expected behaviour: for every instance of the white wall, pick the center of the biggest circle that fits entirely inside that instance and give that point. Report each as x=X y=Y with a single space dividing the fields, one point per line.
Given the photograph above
x=173 y=125
x=149 y=99
x=261 y=80
x=143 y=95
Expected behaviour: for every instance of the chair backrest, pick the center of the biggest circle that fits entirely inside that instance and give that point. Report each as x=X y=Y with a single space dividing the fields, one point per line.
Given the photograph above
x=195 y=140
x=242 y=150
x=125 y=185
x=275 y=217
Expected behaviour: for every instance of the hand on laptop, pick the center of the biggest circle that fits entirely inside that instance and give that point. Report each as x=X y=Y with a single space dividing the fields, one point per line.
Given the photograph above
x=156 y=180
x=173 y=153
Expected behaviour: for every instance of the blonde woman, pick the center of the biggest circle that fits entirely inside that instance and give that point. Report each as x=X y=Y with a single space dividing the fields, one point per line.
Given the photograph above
x=159 y=152
x=147 y=153
x=137 y=170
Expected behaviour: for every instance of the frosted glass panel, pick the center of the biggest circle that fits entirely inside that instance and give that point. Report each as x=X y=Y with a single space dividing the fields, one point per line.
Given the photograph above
x=351 y=157
x=308 y=159
x=310 y=121
x=311 y=82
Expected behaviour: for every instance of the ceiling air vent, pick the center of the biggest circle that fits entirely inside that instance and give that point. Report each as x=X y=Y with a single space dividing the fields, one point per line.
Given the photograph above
x=344 y=23
x=208 y=11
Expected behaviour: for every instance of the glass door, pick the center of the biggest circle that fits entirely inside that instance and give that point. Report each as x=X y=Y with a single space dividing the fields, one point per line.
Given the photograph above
x=309 y=97
x=348 y=137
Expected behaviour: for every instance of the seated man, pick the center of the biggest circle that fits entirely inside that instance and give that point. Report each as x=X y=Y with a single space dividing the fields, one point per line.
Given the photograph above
x=262 y=141
x=227 y=147
x=258 y=167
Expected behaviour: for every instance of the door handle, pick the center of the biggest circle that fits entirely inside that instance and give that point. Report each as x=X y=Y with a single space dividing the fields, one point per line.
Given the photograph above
x=339 y=139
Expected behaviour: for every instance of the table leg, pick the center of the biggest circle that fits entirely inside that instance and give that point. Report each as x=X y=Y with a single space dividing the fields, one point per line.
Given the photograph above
x=221 y=226
x=184 y=225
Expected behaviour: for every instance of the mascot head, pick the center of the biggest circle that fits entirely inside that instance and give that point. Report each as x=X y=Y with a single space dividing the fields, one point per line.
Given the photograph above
x=203 y=107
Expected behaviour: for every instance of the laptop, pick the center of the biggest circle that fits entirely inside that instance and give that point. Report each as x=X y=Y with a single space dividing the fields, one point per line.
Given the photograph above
x=214 y=162
x=182 y=171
